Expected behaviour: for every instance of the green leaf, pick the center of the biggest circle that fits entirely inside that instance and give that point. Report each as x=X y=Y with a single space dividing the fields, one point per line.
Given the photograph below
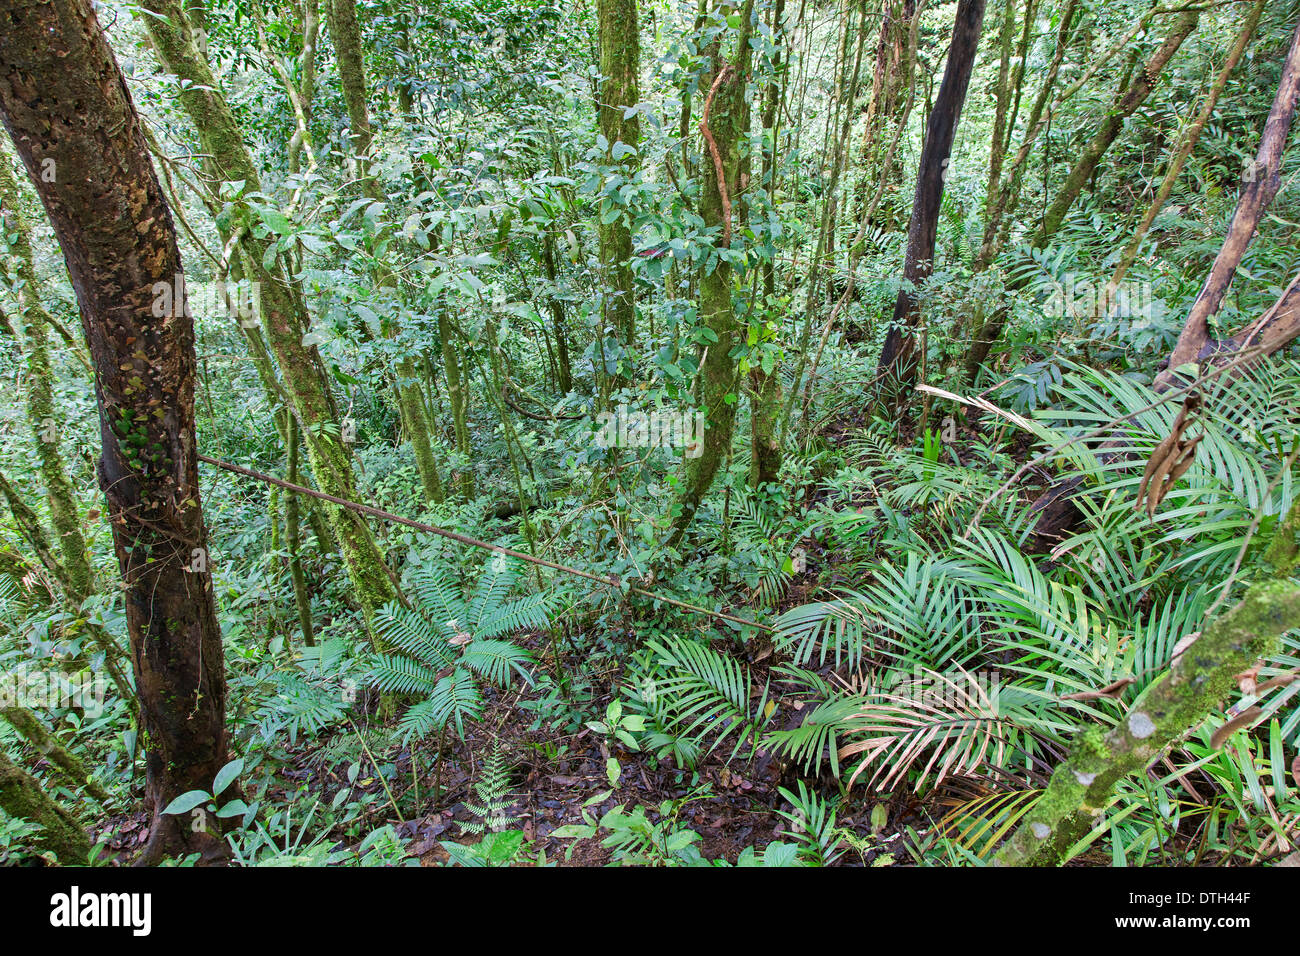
x=574 y=831
x=234 y=808
x=226 y=776
x=187 y=801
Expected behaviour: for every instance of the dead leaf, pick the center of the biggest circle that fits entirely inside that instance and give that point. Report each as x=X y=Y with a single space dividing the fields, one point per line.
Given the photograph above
x=1182 y=645
x=1246 y=680
x=1281 y=680
x=1244 y=719
x=1169 y=460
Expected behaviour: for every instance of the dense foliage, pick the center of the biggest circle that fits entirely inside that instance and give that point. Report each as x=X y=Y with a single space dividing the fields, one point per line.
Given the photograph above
x=602 y=290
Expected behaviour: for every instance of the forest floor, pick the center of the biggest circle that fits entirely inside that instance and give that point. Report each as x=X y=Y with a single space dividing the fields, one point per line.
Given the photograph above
x=555 y=779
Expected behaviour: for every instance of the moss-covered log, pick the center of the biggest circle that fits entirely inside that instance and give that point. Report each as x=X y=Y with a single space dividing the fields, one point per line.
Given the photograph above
x=21 y=795
x=1176 y=703
x=31 y=729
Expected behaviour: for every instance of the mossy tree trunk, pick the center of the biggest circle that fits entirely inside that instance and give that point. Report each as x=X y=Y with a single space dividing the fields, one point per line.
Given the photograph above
x=724 y=123
x=620 y=64
x=457 y=397
x=346 y=32
x=31 y=729
x=41 y=413
x=284 y=315
x=765 y=384
x=1112 y=124
x=65 y=101
x=21 y=795
x=564 y=365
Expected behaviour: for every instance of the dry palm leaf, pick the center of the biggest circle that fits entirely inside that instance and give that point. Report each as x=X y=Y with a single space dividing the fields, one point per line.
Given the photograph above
x=954 y=720
x=1170 y=460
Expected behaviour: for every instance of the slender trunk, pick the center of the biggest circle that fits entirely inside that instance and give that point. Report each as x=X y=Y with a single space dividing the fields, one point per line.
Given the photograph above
x=897 y=359
x=307 y=84
x=41 y=413
x=346 y=32
x=301 y=598
x=1260 y=184
x=1002 y=94
x=283 y=311
x=764 y=383
x=564 y=366
x=1112 y=124
x=620 y=65
x=456 y=396
x=1185 y=148
x=724 y=123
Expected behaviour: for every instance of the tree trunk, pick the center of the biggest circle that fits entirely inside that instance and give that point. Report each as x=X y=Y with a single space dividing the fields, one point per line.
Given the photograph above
x=65 y=102
x=458 y=398
x=1057 y=514
x=75 y=563
x=897 y=359
x=21 y=795
x=301 y=599
x=724 y=122
x=889 y=82
x=1260 y=184
x=284 y=315
x=620 y=64
x=346 y=32
x=1112 y=124
x=1184 y=151
x=765 y=386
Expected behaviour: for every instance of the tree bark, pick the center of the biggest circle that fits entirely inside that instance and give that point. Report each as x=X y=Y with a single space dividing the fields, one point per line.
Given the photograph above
x=65 y=102
x=897 y=359
x=724 y=122
x=620 y=64
x=1260 y=184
